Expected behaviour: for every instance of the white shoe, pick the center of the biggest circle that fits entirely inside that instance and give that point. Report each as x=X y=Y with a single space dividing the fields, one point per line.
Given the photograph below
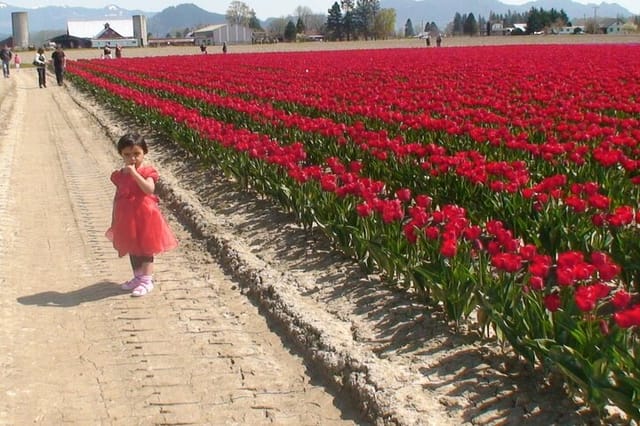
x=142 y=289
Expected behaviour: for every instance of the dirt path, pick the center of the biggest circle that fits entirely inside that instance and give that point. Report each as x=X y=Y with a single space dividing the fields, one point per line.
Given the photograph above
x=74 y=348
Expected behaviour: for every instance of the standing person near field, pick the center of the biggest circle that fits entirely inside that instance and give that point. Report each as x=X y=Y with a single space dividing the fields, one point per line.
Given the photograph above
x=106 y=52
x=137 y=225
x=59 y=64
x=17 y=61
x=40 y=62
x=5 y=56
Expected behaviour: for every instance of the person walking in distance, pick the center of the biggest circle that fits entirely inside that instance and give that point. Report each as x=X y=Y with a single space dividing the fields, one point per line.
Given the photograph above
x=40 y=62
x=137 y=225
x=5 y=56
x=59 y=64
x=17 y=60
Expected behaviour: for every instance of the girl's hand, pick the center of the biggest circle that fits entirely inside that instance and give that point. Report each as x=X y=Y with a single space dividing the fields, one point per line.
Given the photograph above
x=129 y=169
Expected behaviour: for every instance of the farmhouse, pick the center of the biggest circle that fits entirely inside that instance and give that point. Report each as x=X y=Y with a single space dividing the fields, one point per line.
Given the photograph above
x=615 y=28
x=223 y=33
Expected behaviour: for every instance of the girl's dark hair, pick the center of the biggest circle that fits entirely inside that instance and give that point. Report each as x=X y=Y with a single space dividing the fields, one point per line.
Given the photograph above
x=132 y=139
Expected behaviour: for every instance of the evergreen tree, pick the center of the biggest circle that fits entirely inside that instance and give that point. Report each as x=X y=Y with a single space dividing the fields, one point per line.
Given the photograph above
x=300 y=28
x=365 y=13
x=290 y=31
x=431 y=28
x=349 y=19
x=334 y=23
x=254 y=22
x=458 y=27
x=509 y=19
x=470 y=26
x=536 y=20
x=408 y=29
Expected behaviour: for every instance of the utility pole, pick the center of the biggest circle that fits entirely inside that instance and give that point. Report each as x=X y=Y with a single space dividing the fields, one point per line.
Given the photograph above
x=595 y=19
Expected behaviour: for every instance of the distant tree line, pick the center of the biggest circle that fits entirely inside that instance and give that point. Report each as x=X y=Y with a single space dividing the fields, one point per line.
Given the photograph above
x=468 y=24
x=365 y=19
x=536 y=20
x=539 y=19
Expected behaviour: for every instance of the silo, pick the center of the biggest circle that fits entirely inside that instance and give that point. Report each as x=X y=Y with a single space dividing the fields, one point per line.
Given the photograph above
x=20 y=24
x=140 y=29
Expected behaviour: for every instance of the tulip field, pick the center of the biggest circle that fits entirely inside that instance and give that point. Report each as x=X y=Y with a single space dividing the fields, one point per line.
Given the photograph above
x=498 y=183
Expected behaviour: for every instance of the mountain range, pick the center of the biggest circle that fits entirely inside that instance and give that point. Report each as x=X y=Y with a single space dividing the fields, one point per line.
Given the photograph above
x=53 y=19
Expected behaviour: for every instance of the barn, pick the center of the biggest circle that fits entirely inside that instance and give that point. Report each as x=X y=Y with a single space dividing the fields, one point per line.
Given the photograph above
x=223 y=33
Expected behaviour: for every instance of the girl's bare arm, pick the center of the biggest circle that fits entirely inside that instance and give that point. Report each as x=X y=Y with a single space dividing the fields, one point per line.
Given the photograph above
x=147 y=185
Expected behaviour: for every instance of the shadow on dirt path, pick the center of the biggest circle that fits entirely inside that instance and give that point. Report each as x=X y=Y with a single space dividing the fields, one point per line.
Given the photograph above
x=94 y=292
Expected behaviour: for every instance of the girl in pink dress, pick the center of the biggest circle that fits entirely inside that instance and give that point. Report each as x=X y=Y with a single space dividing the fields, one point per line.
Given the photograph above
x=137 y=225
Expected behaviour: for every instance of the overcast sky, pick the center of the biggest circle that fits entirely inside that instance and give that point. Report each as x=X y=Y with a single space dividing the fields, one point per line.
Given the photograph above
x=264 y=8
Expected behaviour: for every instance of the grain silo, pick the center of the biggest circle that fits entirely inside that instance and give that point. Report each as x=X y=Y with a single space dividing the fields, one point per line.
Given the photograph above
x=140 y=29
x=20 y=24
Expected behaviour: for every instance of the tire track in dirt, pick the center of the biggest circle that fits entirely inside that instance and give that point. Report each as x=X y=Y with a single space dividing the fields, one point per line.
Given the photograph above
x=74 y=348
x=42 y=256
x=7 y=147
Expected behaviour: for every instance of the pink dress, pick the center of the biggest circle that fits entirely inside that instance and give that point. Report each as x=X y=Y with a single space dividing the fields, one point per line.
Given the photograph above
x=138 y=227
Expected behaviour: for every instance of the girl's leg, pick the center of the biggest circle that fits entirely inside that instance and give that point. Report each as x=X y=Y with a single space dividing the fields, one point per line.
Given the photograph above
x=138 y=268
x=145 y=265
x=136 y=265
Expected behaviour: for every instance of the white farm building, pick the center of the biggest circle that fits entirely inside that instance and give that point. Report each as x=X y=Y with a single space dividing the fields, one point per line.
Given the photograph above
x=124 y=32
x=223 y=33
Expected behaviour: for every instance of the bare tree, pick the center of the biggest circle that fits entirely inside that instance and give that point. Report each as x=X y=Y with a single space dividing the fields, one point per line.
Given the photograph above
x=383 y=24
x=239 y=13
x=629 y=28
x=276 y=27
x=315 y=23
x=304 y=13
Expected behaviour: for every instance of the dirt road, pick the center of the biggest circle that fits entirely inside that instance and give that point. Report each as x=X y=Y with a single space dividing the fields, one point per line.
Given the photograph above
x=74 y=348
